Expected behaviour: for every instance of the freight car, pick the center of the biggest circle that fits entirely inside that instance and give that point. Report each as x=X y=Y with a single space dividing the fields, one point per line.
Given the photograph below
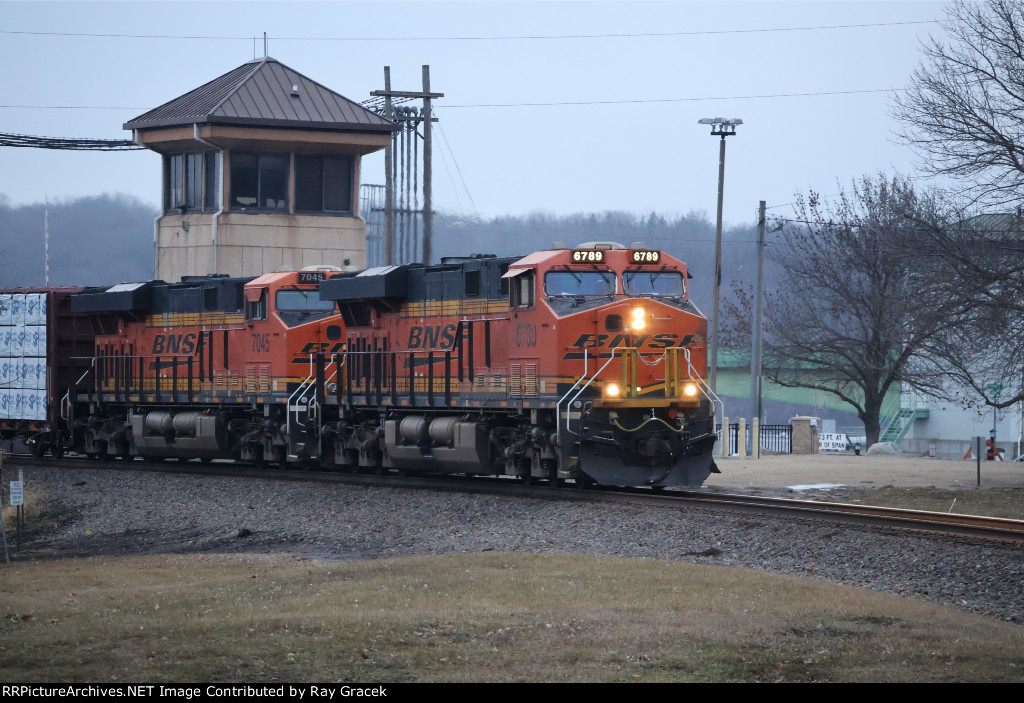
x=44 y=350
x=584 y=364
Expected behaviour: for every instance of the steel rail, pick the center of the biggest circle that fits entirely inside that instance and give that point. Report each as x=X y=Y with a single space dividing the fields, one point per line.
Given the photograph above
x=990 y=528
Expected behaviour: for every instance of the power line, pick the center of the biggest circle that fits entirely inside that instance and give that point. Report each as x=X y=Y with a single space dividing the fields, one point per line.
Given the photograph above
x=74 y=144
x=580 y=102
x=481 y=38
x=680 y=100
x=73 y=107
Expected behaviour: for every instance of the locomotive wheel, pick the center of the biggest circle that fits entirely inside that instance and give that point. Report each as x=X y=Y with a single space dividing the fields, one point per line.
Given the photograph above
x=280 y=455
x=39 y=449
x=57 y=450
x=154 y=459
x=257 y=458
x=585 y=482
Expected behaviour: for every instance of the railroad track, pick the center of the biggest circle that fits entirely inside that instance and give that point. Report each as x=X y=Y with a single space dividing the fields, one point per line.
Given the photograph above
x=1000 y=529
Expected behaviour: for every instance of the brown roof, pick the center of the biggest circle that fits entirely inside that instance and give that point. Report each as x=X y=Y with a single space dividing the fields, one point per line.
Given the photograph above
x=260 y=93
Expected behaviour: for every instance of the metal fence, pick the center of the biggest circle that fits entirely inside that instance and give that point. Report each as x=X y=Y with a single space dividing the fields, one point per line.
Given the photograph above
x=773 y=438
x=734 y=437
x=777 y=438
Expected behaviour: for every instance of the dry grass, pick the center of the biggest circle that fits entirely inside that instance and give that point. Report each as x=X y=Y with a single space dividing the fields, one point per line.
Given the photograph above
x=479 y=617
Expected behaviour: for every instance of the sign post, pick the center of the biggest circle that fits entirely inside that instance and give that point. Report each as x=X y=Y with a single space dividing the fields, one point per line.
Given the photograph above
x=3 y=529
x=18 y=500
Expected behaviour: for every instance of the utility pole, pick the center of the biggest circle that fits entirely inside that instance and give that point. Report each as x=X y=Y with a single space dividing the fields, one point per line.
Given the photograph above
x=427 y=118
x=46 y=240
x=428 y=213
x=755 y=355
x=389 y=185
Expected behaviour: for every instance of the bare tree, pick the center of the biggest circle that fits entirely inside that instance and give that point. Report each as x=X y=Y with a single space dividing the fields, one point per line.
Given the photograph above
x=978 y=262
x=964 y=110
x=854 y=309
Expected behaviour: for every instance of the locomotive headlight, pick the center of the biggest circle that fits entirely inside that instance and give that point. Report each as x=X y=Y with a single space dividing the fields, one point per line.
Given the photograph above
x=637 y=323
x=612 y=390
x=690 y=390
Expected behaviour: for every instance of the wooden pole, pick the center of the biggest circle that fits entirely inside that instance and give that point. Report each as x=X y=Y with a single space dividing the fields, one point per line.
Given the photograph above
x=428 y=224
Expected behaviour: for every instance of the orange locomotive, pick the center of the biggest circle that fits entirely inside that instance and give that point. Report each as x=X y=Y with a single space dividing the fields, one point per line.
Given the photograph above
x=203 y=369
x=584 y=364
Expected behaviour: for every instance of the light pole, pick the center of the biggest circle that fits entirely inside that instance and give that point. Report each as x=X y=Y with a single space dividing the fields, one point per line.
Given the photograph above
x=723 y=127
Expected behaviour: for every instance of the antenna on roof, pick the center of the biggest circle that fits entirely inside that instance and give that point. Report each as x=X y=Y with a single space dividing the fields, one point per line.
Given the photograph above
x=264 y=45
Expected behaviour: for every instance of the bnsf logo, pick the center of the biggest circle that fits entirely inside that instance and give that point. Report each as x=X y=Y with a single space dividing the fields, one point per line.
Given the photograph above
x=659 y=341
x=432 y=336
x=174 y=344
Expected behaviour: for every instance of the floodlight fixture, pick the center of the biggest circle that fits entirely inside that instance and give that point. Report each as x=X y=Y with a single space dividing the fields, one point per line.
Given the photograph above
x=721 y=126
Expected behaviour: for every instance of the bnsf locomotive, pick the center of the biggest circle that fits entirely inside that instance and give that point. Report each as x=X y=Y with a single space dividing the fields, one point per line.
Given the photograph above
x=585 y=364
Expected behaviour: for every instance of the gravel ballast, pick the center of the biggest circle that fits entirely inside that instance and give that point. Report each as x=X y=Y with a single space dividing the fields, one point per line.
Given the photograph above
x=95 y=512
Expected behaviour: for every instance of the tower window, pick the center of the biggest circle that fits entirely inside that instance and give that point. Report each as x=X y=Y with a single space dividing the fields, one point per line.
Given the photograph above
x=191 y=181
x=323 y=183
x=259 y=181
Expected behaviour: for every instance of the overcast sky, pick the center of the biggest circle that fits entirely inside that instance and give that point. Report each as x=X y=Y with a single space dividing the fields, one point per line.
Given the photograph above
x=561 y=123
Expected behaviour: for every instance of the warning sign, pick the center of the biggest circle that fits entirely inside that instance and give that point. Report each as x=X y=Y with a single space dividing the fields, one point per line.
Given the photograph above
x=833 y=442
x=17 y=493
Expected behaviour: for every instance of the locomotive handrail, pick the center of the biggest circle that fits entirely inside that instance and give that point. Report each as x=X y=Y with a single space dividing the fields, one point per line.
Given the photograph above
x=558 y=405
x=298 y=389
x=65 y=402
x=702 y=385
x=302 y=388
x=597 y=373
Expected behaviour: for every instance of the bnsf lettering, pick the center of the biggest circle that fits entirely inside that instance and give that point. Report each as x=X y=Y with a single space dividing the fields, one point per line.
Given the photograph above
x=659 y=341
x=174 y=343
x=432 y=336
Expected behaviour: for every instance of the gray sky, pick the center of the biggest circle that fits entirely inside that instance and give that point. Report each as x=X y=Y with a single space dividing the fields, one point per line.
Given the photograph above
x=630 y=140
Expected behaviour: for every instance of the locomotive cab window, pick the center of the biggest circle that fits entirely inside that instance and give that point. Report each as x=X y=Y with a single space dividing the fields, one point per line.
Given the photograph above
x=522 y=290
x=579 y=283
x=667 y=284
x=256 y=309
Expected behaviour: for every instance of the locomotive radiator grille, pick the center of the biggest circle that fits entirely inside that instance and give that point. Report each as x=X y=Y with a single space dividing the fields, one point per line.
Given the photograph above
x=522 y=380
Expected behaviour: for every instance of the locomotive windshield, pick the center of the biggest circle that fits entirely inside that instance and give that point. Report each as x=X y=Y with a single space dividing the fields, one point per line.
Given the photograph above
x=579 y=283
x=302 y=301
x=668 y=284
x=296 y=307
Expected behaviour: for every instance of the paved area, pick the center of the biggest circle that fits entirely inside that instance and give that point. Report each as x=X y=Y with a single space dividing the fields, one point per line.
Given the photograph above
x=789 y=470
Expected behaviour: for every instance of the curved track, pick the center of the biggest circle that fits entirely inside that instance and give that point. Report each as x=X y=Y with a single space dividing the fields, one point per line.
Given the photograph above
x=873 y=517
